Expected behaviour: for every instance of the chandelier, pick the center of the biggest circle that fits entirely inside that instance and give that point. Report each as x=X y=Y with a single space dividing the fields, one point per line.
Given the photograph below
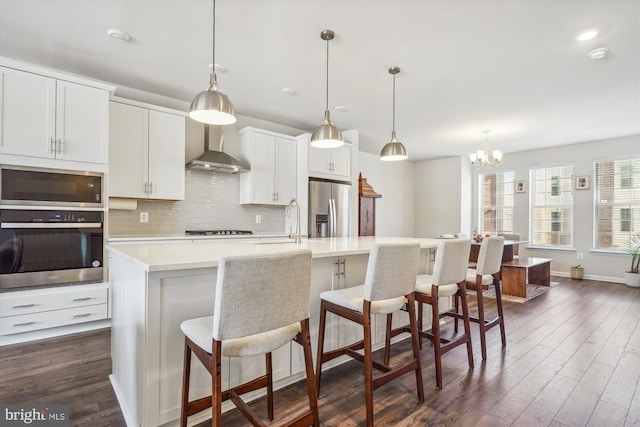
x=481 y=157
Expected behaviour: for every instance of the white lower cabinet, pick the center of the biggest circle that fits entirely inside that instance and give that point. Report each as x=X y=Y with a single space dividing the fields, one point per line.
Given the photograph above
x=25 y=311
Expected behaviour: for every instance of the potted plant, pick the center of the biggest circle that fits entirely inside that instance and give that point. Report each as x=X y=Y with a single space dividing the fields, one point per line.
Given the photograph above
x=632 y=246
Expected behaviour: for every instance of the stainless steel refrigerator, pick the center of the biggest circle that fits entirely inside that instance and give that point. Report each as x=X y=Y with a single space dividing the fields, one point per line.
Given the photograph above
x=329 y=208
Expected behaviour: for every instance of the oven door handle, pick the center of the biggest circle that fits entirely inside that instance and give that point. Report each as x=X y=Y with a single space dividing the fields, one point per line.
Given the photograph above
x=13 y=225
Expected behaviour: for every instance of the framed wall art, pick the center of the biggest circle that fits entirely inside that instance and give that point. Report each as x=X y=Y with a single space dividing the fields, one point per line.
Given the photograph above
x=582 y=182
x=521 y=187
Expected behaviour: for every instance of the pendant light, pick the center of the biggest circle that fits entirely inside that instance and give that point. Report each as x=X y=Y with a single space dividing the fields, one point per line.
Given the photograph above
x=393 y=150
x=211 y=106
x=327 y=135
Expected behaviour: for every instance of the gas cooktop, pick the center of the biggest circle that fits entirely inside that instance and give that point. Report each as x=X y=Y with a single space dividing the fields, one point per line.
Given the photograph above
x=217 y=232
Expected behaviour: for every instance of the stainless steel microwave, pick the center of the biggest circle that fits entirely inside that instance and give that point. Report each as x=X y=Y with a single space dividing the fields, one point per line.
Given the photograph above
x=50 y=187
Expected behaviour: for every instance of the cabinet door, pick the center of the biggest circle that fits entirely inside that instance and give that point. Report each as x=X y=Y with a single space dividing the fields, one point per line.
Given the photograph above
x=82 y=123
x=261 y=155
x=341 y=162
x=27 y=113
x=285 y=170
x=319 y=160
x=128 y=150
x=166 y=156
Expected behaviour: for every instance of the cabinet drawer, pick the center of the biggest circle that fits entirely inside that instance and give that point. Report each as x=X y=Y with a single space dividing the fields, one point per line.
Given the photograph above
x=53 y=299
x=49 y=319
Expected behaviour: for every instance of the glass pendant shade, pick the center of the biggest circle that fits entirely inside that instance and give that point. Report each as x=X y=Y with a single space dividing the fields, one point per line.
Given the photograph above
x=326 y=135
x=393 y=150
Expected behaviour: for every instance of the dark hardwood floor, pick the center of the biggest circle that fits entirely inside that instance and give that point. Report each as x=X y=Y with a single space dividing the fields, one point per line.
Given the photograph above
x=572 y=359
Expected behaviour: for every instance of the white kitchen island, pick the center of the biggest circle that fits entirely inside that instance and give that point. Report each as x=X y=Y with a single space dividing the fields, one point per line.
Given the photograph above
x=157 y=285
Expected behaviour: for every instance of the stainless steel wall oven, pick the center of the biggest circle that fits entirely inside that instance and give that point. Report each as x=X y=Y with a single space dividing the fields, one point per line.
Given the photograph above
x=43 y=247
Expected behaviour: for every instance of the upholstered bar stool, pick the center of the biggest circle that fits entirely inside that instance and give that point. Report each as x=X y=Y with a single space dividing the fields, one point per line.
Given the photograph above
x=487 y=272
x=261 y=303
x=390 y=279
x=448 y=280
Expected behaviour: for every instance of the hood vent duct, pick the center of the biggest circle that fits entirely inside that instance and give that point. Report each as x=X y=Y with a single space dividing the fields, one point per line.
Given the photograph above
x=214 y=159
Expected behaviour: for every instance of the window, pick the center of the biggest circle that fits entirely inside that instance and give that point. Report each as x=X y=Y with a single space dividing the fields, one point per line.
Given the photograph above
x=616 y=202
x=555 y=221
x=555 y=185
x=496 y=202
x=552 y=206
x=625 y=219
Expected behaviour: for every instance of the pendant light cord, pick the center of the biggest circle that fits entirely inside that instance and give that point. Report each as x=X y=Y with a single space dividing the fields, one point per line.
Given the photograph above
x=393 y=124
x=213 y=39
x=327 y=94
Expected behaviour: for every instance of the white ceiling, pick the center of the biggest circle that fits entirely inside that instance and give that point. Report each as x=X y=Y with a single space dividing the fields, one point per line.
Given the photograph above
x=511 y=66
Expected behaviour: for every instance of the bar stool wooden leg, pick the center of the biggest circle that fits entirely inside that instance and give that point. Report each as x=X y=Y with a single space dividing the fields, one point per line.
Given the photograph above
x=415 y=339
x=216 y=387
x=305 y=340
x=321 y=327
x=435 y=331
x=368 y=362
x=419 y=322
x=387 y=340
x=496 y=283
x=481 y=323
x=462 y=294
x=269 y=364
x=186 y=373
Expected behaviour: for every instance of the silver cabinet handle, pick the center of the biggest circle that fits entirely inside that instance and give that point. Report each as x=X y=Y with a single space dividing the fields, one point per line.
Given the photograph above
x=344 y=267
x=146 y=188
x=150 y=188
x=24 y=324
x=24 y=306
x=52 y=146
x=59 y=146
x=81 y=299
x=77 y=316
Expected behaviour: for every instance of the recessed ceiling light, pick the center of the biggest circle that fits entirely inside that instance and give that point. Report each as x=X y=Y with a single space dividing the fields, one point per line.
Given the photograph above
x=219 y=68
x=341 y=108
x=598 y=53
x=288 y=91
x=118 y=35
x=587 y=34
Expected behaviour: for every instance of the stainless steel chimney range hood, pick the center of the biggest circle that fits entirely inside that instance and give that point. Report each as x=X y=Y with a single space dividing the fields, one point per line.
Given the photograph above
x=214 y=159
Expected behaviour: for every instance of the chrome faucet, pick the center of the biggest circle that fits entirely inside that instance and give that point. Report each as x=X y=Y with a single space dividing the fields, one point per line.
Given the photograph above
x=297 y=236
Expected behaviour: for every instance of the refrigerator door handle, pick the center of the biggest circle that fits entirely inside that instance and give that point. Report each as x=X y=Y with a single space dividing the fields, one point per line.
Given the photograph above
x=334 y=226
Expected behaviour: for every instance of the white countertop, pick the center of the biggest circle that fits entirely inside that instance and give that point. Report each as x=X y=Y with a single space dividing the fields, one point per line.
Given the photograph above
x=202 y=253
x=169 y=237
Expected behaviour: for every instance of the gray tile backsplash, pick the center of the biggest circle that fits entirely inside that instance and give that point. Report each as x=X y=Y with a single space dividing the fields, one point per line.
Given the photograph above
x=211 y=202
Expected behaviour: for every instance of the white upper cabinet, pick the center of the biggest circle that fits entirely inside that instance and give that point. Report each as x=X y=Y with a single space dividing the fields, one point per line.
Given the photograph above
x=147 y=149
x=273 y=172
x=48 y=118
x=331 y=163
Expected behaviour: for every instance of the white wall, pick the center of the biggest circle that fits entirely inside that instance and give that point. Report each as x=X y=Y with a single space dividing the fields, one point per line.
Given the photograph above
x=395 y=210
x=442 y=194
x=597 y=265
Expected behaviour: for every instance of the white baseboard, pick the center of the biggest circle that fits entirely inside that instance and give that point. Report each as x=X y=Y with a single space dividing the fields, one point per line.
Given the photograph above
x=53 y=332
x=590 y=277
